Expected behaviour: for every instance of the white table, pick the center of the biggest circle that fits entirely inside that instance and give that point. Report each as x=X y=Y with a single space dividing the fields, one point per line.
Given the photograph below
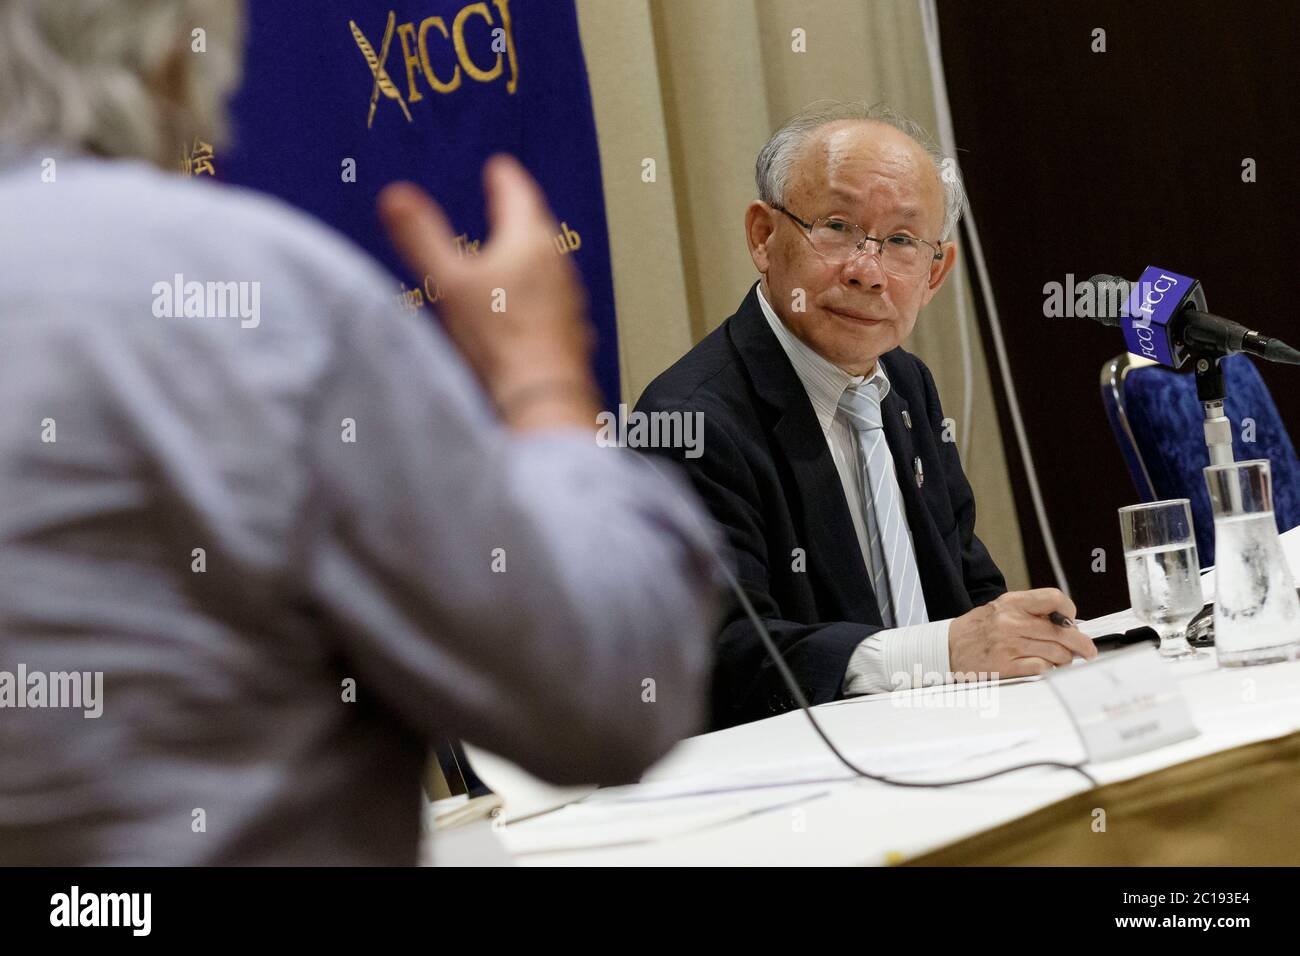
x=863 y=822
x=856 y=821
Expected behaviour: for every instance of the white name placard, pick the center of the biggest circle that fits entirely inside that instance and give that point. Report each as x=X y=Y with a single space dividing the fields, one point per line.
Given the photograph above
x=1124 y=703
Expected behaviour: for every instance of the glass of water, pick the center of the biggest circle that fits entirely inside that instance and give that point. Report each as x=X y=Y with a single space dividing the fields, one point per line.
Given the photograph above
x=1256 y=613
x=1164 y=572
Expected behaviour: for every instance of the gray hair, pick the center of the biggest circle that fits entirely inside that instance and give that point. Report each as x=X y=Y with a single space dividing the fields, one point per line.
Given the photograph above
x=772 y=169
x=89 y=74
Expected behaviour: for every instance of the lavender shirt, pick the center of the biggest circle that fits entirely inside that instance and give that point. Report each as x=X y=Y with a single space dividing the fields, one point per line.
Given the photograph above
x=246 y=518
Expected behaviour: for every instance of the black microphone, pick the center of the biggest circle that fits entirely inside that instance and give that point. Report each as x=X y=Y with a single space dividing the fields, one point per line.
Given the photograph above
x=1164 y=319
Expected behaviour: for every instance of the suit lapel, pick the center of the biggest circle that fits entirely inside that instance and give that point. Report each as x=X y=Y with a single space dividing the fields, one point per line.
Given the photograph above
x=817 y=506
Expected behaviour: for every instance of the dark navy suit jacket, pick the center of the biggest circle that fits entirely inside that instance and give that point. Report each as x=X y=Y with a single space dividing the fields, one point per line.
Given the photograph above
x=767 y=475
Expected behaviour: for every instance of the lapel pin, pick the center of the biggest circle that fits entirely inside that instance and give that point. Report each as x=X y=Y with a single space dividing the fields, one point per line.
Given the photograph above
x=907 y=419
x=919 y=472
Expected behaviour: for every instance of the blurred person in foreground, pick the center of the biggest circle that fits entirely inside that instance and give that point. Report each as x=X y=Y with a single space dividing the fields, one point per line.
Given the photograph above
x=272 y=534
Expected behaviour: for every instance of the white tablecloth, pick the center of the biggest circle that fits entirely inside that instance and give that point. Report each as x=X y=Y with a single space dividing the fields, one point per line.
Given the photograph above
x=864 y=822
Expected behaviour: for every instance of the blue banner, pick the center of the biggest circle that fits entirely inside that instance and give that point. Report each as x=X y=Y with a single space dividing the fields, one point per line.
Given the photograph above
x=342 y=97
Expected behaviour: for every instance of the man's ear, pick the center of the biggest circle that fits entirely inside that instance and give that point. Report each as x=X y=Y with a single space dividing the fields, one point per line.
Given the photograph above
x=759 y=225
x=937 y=276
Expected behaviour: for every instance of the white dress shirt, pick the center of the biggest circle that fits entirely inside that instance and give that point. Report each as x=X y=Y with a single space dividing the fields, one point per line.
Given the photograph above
x=894 y=658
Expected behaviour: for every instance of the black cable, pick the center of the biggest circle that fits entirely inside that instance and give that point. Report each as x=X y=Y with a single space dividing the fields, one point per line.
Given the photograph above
x=793 y=686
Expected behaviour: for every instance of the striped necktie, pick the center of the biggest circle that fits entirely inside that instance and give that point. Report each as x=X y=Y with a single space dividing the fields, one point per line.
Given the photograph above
x=894 y=576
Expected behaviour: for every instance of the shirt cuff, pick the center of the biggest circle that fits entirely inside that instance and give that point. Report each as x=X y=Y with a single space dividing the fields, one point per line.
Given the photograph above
x=900 y=658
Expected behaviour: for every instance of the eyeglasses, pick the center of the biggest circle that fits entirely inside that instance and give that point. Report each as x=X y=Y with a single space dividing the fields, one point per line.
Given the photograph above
x=839 y=241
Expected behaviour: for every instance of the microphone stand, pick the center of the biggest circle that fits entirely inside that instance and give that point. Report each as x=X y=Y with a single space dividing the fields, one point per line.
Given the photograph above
x=1218 y=430
x=1210 y=390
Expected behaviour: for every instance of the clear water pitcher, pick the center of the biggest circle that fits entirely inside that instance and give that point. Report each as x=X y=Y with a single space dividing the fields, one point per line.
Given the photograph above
x=1256 y=611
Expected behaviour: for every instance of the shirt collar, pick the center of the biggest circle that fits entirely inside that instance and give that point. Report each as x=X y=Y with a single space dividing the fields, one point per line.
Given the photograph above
x=14 y=155
x=824 y=381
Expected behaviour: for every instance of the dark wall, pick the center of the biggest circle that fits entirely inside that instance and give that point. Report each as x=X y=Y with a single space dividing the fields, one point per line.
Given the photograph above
x=1082 y=162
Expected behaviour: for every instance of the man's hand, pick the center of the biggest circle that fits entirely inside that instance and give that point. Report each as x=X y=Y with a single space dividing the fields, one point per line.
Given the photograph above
x=517 y=309
x=1012 y=636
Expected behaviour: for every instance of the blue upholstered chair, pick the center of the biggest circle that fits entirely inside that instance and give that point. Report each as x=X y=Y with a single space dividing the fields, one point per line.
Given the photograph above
x=1158 y=423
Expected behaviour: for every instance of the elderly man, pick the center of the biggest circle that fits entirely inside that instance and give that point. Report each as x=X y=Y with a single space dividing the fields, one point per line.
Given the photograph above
x=824 y=457
x=292 y=547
